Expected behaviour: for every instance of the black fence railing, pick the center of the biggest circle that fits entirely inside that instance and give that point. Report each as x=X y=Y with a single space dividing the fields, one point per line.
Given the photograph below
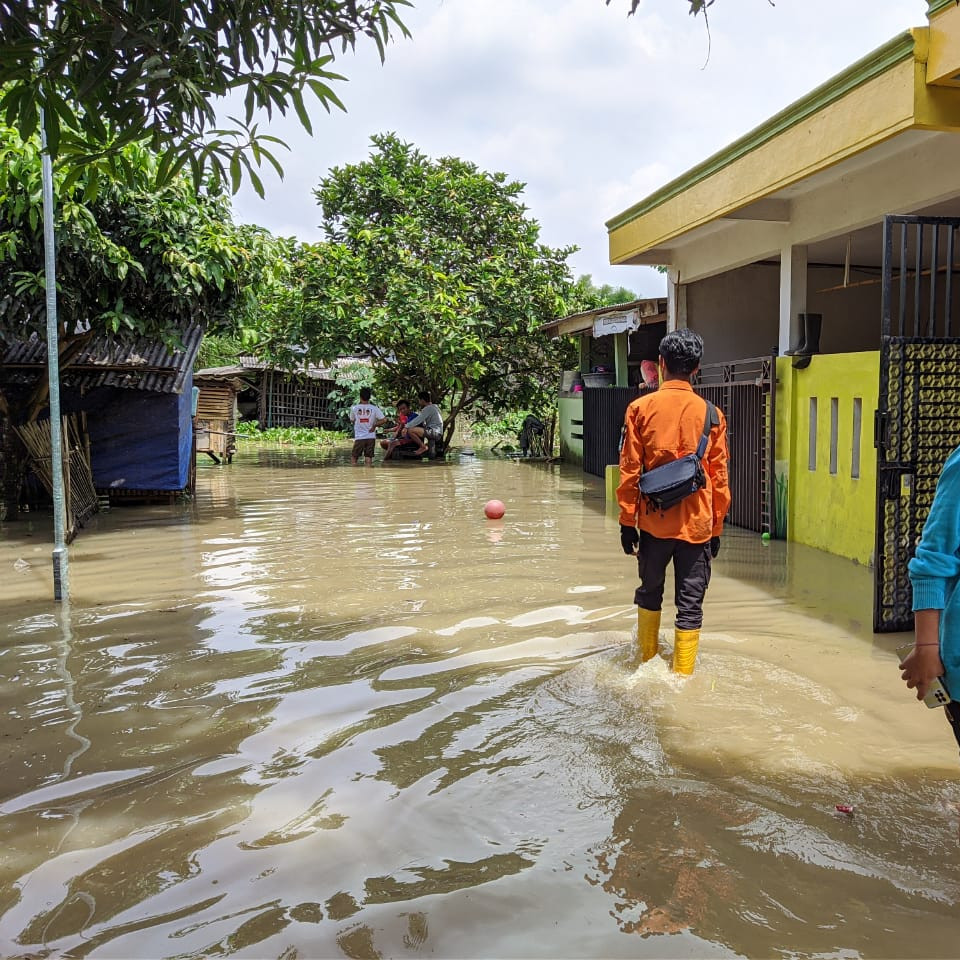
x=603 y=410
x=920 y=278
x=744 y=391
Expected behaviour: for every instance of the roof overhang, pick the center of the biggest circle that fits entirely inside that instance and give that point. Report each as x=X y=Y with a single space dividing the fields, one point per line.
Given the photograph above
x=651 y=310
x=884 y=104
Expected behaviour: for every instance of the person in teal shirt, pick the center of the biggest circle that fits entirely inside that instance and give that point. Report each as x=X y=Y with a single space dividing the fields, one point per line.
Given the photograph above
x=934 y=575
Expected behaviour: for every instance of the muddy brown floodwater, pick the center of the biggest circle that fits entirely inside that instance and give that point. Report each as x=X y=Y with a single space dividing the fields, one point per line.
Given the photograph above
x=326 y=711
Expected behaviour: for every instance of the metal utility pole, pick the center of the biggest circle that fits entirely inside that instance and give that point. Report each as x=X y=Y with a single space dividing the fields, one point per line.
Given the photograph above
x=61 y=568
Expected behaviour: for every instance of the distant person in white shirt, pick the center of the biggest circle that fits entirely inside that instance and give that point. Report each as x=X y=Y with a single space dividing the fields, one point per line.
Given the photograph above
x=365 y=417
x=426 y=425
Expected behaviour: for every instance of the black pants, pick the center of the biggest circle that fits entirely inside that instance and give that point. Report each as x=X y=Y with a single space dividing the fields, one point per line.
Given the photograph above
x=691 y=574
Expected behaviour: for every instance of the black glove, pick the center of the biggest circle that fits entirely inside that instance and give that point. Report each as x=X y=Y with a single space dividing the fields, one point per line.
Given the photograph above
x=629 y=540
x=714 y=546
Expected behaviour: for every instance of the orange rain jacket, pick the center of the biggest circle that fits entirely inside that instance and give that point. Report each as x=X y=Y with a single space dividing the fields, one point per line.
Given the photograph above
x=665 y=426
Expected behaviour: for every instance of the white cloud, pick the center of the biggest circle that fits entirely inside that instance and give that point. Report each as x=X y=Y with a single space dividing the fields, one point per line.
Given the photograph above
x=591 y=109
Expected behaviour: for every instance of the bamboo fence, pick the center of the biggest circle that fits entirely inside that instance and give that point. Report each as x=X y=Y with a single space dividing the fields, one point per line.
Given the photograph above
x=79 y=492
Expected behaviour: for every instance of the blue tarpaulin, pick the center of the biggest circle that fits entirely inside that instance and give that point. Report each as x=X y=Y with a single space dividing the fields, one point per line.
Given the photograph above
x=139 y=441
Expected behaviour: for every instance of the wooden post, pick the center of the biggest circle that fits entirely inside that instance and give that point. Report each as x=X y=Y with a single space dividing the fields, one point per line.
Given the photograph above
x=67 y=497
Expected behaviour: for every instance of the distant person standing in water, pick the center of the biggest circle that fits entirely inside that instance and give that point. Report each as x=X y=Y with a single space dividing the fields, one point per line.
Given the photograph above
x=935 y=577
x=365 y=417
x=660 y=428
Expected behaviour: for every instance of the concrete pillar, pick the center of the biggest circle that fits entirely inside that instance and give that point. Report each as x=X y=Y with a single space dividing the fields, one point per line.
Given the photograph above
x=793 y=295
x=621 y=346
x=676 y=302
x=611 y=480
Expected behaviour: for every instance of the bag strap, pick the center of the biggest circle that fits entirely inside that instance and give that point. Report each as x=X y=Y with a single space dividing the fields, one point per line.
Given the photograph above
x=710 y=421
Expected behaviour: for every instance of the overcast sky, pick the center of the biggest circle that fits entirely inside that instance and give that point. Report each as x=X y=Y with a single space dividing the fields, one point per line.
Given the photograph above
x=592 y=109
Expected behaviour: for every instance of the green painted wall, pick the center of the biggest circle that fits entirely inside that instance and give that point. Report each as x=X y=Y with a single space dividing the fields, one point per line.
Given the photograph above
x=571 y=447
x=829 y=510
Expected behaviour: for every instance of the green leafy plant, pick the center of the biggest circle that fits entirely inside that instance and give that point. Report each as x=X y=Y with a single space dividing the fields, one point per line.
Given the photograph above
x=348 y=380
x=112 y=73
x=219 y=351
x=505 y=427
x=292 y=436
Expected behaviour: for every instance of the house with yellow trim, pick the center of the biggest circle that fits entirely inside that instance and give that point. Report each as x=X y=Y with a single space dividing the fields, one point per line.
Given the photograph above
x=788 y=223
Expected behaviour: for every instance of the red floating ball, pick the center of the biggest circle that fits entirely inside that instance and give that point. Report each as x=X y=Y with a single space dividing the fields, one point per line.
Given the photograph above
x=494 y=509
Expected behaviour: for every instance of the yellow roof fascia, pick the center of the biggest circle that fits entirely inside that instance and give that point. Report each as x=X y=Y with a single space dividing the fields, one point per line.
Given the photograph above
x=871 y=101
x=943 y=61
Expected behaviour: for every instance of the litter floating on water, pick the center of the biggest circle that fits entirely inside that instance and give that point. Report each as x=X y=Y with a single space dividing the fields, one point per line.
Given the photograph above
x=845 y=808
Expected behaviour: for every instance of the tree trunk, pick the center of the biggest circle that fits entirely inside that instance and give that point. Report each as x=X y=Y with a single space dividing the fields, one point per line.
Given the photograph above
x=449 y=429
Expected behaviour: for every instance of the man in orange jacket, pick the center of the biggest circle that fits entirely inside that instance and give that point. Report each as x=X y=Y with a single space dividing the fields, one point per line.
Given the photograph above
x=658 y=428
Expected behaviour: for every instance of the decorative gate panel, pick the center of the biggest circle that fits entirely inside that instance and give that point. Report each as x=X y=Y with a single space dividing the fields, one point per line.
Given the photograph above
x=744 y=391
x=918 y=412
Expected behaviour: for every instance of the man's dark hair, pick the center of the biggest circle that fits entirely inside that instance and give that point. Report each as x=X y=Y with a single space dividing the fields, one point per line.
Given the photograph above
x=681 y=351
x=403 y=403
x=365 y=394
x=424 y=395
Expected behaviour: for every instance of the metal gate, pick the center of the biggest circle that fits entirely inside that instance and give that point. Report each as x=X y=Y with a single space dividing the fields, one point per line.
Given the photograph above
x=918 y=411
x=745 y=391
x=603 y=411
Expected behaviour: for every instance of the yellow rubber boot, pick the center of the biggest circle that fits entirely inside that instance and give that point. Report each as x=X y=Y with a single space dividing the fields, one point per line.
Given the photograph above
x=648 y=635
x=685 y=647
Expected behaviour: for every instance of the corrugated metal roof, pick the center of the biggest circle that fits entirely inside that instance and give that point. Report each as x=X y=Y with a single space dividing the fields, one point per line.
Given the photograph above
x=649 y=308
x=313 y=371
x=217 y=373
x=140 y=365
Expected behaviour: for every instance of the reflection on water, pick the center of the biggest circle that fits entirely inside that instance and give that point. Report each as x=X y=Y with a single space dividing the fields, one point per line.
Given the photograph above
x=334 y=711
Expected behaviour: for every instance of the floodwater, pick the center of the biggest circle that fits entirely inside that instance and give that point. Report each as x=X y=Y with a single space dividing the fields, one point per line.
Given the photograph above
x=326 y=711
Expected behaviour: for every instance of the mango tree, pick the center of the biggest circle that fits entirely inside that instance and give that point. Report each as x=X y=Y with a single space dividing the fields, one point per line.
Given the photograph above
x=433 y=269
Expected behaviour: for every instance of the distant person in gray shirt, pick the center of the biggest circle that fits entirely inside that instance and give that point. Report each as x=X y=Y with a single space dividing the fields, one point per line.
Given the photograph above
x=426 y=425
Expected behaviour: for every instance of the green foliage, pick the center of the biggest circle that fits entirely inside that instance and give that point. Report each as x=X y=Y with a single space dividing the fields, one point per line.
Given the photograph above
x=114 y=72
x=131 y=260
x=586 y=295
x=505 y=427
x=433 y=269
x=348 y=381
x=219 y=351
x=293 y=436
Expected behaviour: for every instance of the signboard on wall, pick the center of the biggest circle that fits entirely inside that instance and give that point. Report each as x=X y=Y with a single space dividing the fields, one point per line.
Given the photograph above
x=616 y=323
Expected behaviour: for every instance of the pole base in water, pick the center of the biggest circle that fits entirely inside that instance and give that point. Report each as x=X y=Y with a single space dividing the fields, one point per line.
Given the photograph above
x=61 y=577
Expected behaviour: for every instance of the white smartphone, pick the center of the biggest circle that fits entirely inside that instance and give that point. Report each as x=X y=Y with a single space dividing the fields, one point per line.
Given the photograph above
x=937 y=694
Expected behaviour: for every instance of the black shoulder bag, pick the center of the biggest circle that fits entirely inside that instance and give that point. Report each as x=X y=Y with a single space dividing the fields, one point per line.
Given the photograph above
x=668 y=484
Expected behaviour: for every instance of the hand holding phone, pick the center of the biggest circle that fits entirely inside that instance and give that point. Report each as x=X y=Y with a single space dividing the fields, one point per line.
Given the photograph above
x=937 y=694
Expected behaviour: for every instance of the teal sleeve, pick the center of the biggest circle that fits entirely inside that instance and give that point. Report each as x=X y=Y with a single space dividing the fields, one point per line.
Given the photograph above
x=936 y=565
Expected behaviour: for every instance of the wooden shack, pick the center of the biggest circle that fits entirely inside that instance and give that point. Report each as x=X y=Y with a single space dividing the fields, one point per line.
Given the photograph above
x=215 y=422
x=293 y=398
x=135 y=400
